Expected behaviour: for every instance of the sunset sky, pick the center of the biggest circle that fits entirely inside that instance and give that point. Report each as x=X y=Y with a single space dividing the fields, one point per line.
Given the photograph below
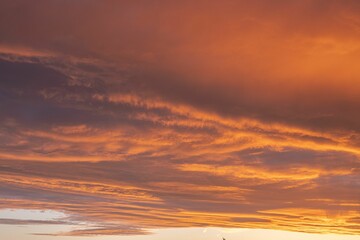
x=179 y=120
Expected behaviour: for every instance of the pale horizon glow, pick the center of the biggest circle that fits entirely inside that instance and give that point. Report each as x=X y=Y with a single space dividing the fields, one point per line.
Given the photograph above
x=210 y=233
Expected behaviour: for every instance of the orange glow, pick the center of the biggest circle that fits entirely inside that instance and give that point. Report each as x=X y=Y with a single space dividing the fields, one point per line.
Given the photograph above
x=230 y=114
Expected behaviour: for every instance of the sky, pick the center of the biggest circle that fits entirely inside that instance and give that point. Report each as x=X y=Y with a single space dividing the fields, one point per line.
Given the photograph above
x=181 y=120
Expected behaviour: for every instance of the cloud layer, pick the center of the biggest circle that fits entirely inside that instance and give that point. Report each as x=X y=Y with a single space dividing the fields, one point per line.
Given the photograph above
x=154 y=115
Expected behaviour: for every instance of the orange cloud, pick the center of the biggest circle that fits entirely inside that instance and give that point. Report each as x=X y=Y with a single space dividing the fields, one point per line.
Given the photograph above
x=156 y=115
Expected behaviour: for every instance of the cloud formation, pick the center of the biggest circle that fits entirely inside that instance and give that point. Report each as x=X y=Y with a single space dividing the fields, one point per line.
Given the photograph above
x=155 y=115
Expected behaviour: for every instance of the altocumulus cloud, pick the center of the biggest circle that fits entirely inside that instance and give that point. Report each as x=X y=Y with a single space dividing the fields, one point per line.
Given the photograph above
x=120 y=114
